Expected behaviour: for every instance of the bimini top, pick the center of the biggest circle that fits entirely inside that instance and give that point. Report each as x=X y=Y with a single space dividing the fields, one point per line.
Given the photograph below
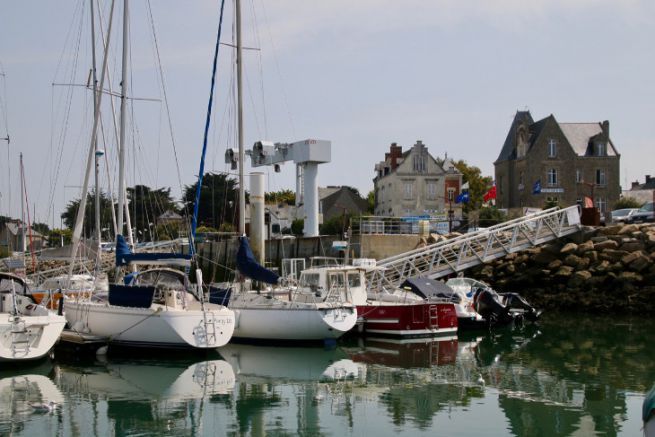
x=124 y=256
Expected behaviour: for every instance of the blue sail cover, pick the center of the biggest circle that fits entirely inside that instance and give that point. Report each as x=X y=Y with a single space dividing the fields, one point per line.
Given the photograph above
x=249 y=267
x=124 y=256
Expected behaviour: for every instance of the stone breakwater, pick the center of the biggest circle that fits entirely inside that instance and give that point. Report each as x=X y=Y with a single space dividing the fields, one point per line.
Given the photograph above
x=604 y=269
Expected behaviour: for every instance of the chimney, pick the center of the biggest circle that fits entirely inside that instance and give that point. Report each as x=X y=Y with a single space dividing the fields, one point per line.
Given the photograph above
x=648 y=179
x=606 y=129
x=634 y=185
x=395 y=152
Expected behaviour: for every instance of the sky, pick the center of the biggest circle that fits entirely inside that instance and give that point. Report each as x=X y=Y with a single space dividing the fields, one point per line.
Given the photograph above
x=361 y=74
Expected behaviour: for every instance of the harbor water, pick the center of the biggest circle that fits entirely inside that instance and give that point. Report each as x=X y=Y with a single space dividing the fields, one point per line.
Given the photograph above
x=572 y=375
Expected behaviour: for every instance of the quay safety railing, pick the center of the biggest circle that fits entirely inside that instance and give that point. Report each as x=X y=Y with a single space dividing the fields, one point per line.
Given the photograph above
x=466 y=251
x=380 y=225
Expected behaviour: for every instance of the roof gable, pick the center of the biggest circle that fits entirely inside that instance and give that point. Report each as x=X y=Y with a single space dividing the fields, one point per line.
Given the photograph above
x=509 y=147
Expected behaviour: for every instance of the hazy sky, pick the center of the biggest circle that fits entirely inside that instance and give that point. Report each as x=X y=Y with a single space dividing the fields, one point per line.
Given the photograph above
x=362 y=74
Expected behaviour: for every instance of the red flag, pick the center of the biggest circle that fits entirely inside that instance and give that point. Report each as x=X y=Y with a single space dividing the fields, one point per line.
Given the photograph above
x=491 y=194
x=588 y=203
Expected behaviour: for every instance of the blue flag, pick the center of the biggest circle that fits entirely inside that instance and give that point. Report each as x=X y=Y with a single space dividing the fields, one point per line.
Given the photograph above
x=536 y=188
x=463 y=197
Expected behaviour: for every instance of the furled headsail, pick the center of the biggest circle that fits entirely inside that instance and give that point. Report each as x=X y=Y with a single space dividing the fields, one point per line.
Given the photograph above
x=248 y=265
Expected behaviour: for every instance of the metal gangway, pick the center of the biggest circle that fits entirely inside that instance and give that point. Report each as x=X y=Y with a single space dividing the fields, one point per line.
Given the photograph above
x=469 y=250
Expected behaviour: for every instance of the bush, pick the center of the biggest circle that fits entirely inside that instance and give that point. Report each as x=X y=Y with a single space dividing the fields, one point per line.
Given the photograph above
x=297 y=226
x=628 y=202
x=491 y=216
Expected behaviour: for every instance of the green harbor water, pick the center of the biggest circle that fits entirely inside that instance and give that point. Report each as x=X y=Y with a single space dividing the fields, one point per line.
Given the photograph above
x=573 y=375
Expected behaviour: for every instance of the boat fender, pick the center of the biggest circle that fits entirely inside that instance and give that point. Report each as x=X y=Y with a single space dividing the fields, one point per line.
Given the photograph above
x=29 y=309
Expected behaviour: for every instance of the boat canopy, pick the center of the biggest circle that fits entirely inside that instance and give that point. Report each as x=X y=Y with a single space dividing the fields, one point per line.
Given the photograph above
x=428 y=288
x=249 y=267
x=124 y=256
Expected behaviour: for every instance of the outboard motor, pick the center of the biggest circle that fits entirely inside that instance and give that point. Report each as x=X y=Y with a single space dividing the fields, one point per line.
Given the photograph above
x=488 y=304
x=516 y=303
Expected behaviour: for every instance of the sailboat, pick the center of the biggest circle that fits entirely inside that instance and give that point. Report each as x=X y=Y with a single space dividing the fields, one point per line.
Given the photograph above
x=288 y=313
x=145 y=310
x=27 y=331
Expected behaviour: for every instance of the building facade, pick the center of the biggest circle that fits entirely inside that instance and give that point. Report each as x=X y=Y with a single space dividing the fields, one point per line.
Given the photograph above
x=548 y=162
x=414 y=183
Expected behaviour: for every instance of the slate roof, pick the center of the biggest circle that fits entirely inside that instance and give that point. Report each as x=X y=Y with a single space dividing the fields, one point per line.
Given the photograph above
x=579 y=135
x=509 y=148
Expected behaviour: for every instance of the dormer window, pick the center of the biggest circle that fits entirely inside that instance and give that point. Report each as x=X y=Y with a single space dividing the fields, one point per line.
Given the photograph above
x=601 y=149
x=552 y=148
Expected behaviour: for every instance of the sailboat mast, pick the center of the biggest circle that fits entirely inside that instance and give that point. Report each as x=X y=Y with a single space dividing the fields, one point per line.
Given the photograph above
x=22 y=209
x=123 y=116
x=95 y=145
x=242 y=188
x=79 y=220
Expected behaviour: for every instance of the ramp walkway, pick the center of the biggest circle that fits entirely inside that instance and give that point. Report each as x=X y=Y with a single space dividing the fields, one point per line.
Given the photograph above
x=475 y=248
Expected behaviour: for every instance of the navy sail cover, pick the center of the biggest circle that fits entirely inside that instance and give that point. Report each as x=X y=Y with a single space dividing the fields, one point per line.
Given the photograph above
x=124 y=256
x=248 y=265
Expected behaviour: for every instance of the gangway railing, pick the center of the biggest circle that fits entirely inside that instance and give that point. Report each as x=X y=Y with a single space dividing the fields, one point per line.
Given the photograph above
x=460 y=253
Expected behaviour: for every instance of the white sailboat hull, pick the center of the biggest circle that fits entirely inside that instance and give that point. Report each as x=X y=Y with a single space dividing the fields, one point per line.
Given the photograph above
x=28 y=337
x=257 y=319
x=157 y=326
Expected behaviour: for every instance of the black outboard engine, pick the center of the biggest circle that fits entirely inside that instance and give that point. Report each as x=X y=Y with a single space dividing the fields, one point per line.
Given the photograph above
x=519 y=305
x=489 y=305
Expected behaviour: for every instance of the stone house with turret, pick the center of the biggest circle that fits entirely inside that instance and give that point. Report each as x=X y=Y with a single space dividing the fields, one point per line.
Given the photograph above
x=414 y=183
x=569 y=161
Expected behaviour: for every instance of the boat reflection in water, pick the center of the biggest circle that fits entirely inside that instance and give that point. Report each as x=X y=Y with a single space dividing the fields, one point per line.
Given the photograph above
x=156 y=395
x=23 y=395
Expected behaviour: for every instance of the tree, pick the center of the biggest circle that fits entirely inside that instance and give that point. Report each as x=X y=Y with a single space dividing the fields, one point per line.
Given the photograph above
x=491 y=216
x=336 y=225
x=478 y=184
x=628 y=202
x=286 y=196
x=41 y=228
x=370 y=198
x=297 y=226
x=59 y=237
x=219 y=200
x=70 y=214
x=146 y=204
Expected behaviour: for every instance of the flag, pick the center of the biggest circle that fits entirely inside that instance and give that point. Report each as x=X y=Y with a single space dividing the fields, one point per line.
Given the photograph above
x=536 y=188
x=588 y=203
x=491 y=194
x=465 y=186
x=463 y=197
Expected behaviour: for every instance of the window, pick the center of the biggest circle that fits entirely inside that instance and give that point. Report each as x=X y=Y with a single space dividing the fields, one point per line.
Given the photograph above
x=451 y=194
x=354 y=280
x=408 y=191
x=552 y=177
x=600 y=177
x=552 y=148
x=601 y=149
x=601 y=204
x=431 y=190
x=578 y=176
x=419 y=163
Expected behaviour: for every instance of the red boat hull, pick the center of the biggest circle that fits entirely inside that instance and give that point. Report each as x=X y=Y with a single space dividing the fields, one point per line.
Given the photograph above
x=419 y=319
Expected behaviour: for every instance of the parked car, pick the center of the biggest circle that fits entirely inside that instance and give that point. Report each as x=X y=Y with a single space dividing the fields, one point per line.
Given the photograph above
x=623 y=215
x=644 y=214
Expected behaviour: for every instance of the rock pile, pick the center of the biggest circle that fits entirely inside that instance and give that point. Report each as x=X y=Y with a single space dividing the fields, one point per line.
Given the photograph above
x=604 y=269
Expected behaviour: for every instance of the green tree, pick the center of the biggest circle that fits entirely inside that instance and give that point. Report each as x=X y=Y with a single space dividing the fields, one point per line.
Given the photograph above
x=41 y=228
x=286 y=196
x=219 y=202
x=628 y=202
x=370 y=198
x=146 y=204
x=490 y=217
x=70 y=214
x=478 y=184
x=58 y=237
x=297 y=226
x=337 y=225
